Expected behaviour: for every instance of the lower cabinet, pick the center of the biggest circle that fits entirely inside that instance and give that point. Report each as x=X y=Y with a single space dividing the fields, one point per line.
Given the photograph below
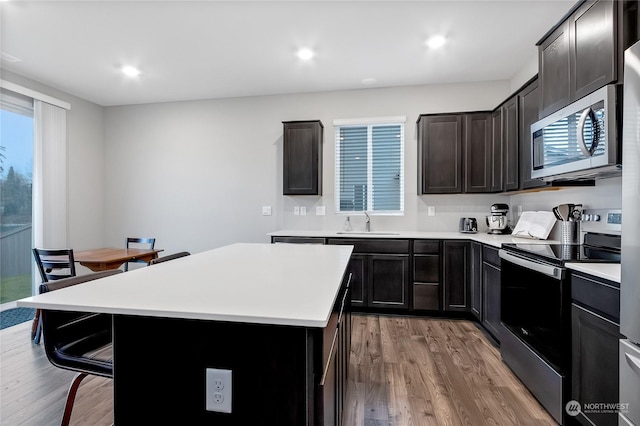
x=388 y=281
x=491 y=291
x=358 y=268
x=456 y=275
x=475 y=290
x=426 y=275
x=380 y=272
x=595 y=334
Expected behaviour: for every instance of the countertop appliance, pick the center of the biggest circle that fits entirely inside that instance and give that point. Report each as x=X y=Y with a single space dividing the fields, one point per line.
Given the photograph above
x=497 y=221
x=536 y=306
x=580 y=141
x=630 y=281
x=468 y=225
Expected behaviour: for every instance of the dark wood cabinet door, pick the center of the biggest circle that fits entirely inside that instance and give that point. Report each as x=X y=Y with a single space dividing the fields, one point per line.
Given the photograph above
x=554 y=66
x=476 y=280
x=510 y=144
x=491 y=299
x=302 y=158
x=496 y=151
x=439 y=154
x=358 y=270
x=388 y=281
x=426 y=282
x=529 y=104
x=594 y=363
x=593 y=47
x=477 y=152
x=456 y=275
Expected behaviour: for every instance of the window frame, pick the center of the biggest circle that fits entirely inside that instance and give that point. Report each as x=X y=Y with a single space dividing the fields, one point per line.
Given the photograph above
x=370 y=123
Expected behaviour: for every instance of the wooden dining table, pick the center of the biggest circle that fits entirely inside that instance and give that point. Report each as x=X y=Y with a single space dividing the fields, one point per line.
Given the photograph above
x=103 y=259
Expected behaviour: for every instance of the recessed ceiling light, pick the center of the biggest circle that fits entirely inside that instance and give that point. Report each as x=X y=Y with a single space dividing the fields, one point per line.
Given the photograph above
x=436 y=41
x=130 y=71
x=369 y=81
x=305 y=54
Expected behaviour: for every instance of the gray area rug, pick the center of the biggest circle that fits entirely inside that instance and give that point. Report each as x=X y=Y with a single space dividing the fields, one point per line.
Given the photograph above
x=15 y=316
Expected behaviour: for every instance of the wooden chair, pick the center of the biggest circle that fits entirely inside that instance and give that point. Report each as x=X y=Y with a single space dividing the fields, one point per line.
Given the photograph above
x=148 y=242
x=53 y=264
x=78 y=341
x=169 y=257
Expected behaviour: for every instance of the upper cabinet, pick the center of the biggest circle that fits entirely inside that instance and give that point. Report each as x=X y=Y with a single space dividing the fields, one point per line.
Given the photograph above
x=477 y=152
x=496 y=151
x=553 y=67
x=454 y=153
x=440 y=154
x=528 y=102
x=510 y=144
x=302 y=160
x=585 y=51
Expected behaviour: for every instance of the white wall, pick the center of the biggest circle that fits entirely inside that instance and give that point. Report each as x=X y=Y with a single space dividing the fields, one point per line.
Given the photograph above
x=195 y=174
x=85 y=151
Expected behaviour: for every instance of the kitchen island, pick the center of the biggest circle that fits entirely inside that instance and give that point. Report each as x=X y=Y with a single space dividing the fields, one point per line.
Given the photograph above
x=276 y=316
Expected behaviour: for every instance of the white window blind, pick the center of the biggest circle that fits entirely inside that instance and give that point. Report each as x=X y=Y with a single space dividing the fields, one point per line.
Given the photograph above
x=370 y=166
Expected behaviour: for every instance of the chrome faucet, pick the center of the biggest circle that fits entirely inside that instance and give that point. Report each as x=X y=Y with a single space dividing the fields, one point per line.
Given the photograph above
x=367 y=223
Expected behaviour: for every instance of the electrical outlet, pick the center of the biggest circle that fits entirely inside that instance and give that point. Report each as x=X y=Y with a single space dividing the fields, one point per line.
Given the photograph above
x=218 y=390
x=321 y=210
x=266 y=210
x=303 y=211
x=296 y=210
x=431 y=210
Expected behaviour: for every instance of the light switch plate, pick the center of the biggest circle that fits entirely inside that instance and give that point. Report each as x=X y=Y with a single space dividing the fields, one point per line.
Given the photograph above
x=303 y=211
x=266 y=210
x=431 y=211
x=321 y=210
x=218 y=390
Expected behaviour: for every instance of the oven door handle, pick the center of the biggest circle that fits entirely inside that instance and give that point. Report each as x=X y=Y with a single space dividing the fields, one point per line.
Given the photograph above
x=551 y=271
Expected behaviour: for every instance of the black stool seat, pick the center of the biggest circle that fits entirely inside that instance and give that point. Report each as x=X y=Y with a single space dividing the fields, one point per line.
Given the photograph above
x=78 y=341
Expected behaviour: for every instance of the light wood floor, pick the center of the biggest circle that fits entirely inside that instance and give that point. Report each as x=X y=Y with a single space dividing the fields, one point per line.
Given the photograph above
x=414 y=371
x=404 y=371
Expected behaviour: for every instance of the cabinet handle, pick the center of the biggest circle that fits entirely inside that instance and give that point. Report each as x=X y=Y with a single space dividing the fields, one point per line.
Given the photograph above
x=326 y=369
x=633 y=362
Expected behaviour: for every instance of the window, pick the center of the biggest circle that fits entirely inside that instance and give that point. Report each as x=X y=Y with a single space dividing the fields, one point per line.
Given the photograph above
x=370 y=166
x=16 y=170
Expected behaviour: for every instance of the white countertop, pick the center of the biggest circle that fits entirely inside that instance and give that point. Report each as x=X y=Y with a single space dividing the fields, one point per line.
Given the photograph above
x=481 y=237
x=608 y=271
x=255 y=283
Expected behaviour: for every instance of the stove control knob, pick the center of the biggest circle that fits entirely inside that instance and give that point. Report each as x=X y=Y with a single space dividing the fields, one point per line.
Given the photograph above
x=586 y=217
x=596 y=217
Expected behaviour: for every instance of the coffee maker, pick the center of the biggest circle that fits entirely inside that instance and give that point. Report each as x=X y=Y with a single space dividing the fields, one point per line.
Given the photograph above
x=498 y=220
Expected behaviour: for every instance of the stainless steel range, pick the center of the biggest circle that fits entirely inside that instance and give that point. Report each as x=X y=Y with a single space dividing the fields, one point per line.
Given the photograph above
x=536 y=305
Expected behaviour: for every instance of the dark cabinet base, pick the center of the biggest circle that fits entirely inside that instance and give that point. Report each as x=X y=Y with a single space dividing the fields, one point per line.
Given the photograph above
x=280 y=375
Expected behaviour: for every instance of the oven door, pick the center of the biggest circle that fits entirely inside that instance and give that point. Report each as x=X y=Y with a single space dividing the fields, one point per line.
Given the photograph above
x=536 y=342
x=535 y=306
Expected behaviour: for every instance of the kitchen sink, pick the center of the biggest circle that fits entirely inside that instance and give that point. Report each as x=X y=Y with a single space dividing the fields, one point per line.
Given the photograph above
x=367 y=233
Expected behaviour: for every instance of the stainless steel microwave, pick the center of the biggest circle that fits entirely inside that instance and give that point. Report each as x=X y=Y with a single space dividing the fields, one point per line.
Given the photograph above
x=580 y=141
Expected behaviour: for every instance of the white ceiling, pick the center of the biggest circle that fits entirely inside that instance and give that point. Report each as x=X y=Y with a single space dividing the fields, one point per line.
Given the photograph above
x=218 y=49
